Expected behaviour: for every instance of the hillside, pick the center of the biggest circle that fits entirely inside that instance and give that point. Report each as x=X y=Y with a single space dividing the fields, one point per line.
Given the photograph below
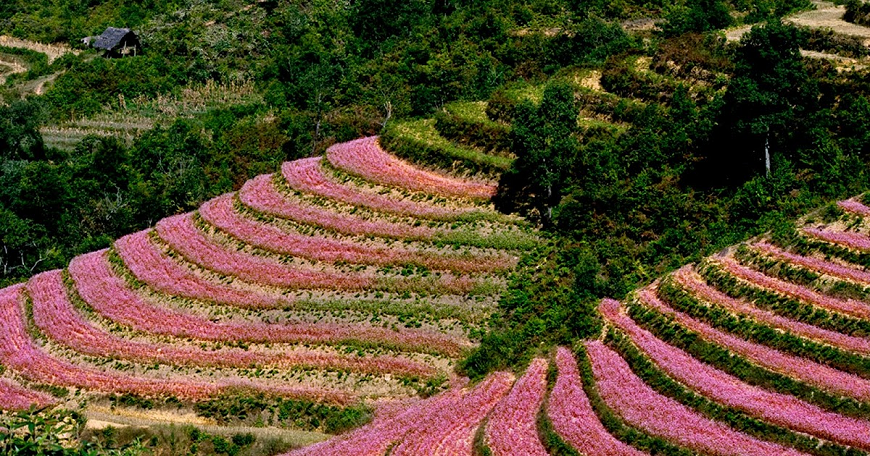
x=435 y=227
x=339 y=282
x=759 y=349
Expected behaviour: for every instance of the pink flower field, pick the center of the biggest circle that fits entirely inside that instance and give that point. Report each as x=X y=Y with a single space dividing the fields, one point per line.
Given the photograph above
x=307 y=175
x=153 y=267
x=451 y=431
x=849 y=307
x=220 y=213
x=361 y=281
x=799 y=368
x=513 y=423
x=640 y=406
x=260 y=194
x=572 y=415
x=853 y=206
x=688 y=279
x=111 y=298
x=851 y=240
x=295 y=287
x=16 y=397
x=55 y=316
x=781 y=409
x=365 y=158
x=816 y=264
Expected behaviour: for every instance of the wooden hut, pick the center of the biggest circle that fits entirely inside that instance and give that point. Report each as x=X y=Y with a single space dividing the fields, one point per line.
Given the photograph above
x=116 y=42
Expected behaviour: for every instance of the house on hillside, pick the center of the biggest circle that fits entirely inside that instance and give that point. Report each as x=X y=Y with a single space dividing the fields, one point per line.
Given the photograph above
x=116 y=42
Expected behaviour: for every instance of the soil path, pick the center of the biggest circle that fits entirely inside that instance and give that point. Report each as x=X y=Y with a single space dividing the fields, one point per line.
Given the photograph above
x=826 y=15
x=15 y=67
x=53 y=51
x=102 y=417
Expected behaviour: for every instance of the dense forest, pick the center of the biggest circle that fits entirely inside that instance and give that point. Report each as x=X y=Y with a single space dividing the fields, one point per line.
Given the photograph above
x=689 y=142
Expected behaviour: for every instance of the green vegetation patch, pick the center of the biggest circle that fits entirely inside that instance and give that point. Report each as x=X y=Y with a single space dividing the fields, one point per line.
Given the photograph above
x=236 y=408
x=420 y=142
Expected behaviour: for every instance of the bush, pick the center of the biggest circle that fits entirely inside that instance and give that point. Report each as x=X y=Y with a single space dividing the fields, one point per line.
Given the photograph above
x=697 y=16
x=857 y=12
x=589 y=43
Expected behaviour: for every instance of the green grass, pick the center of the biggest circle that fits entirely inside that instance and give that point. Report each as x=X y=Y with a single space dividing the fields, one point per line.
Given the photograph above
x=420 y=142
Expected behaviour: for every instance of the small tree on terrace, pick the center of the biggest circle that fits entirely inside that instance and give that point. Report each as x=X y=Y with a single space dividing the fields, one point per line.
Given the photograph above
x=770 y=97
x=544 y=143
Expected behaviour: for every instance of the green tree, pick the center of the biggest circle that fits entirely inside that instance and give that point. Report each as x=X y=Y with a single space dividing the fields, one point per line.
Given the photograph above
x=543 y=140
x=769 y=98
x=19 y=131
x=697 y=16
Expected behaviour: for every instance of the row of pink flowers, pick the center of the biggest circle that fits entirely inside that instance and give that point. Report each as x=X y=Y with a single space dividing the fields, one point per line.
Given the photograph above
x=19 y=353
x=110 y=297
x=16 y=397
x=260 y=194
x=846 y=306
x=512 y=428
x=182 y=235
x=375 y=438
x=220 y=213
x=816 y=264
x=306 y=175
x=640 y=406
x=56 y=317
x=847 y=239
x=573 y=417
x=688 y=279
x=796 y=367
x=149 y=264
x=853 y=206
x=781 y=409
x=452 y=430
x=365 y=158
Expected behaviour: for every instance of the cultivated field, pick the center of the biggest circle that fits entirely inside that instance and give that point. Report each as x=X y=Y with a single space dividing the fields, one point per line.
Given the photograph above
x=353 y=281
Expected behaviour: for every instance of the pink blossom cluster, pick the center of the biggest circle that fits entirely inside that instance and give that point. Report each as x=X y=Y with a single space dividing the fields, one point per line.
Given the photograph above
x=306 y=175
x=19 y=353
x=781 y=409
x=378 y=436
x=851 y=240
x=451 y=431
x=181 y=233
x=16 y=397
x=573 y=417
x=220 y=213
x=793 y=366
x=640 y=406
x=111 y=298
x=688 y=279
x=56 y=317
x=365 y=158
x=150 y=265
x=512 y=428
x=855 y=207
x=847 y=306
x=816 y=264
x=260 y=193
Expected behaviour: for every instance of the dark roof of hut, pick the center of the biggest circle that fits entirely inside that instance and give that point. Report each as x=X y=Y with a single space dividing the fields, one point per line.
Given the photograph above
x=111 y=38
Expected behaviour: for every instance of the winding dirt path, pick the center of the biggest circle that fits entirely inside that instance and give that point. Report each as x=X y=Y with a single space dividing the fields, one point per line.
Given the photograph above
x=826 y=15
x=103 y=417
x=53 y=51
x=15 y=68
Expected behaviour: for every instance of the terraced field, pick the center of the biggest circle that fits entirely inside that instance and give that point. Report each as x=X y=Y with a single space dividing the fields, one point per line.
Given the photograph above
x=760 y=349
x=356 y=279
